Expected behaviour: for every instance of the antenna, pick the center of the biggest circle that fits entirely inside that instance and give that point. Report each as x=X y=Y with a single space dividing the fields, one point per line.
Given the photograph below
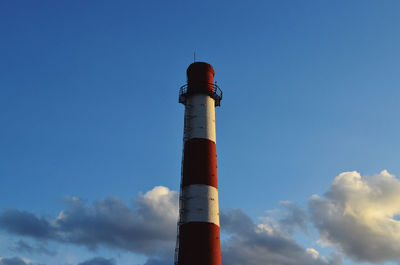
x=194 y=56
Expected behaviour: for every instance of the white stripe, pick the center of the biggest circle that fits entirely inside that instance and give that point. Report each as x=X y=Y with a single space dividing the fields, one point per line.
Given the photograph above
x=200 y=204
x=200 y=117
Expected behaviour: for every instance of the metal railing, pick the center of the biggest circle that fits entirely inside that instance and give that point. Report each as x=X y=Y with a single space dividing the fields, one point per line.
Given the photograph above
x=209 y=89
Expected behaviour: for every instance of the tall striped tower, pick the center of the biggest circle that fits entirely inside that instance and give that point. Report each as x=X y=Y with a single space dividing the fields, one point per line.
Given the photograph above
x=198 y=240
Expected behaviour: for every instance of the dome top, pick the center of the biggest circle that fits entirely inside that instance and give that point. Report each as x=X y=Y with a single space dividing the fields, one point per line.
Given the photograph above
x=200 y=72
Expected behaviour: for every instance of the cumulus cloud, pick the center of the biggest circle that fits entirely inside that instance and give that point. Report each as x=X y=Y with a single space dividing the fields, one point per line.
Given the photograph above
x=264 y=243
x=148 y=227
x=98 y=261
x=358 y=215
x=25 y=223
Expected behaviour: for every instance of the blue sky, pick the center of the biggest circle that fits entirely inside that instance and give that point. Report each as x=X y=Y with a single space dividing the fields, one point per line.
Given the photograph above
x=88 y=110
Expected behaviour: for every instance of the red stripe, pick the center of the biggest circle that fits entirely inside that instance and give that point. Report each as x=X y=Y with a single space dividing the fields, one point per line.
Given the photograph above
x=200 y=72
x=200 y=162
x=199 y=244
x=199 y=77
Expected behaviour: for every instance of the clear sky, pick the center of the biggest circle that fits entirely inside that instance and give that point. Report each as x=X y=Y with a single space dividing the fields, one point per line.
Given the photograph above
x=91 y=129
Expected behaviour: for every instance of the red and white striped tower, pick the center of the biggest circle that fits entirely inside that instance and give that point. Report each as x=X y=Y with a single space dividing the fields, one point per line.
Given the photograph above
x=198 y=240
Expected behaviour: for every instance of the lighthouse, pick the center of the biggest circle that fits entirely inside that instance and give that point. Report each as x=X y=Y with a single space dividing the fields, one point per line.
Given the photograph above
x=198 y=239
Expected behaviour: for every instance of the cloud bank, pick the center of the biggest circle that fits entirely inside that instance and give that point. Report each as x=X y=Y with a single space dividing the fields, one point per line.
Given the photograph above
x=359 y=216
x=148 y=227
x=266 y=242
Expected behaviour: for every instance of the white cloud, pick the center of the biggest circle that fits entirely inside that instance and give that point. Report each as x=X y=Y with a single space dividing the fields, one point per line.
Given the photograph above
x=160 y=201
x=358 y=216
x=314 y=253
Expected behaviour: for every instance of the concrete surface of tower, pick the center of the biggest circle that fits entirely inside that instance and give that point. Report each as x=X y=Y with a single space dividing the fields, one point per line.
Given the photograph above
x=198 y=240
